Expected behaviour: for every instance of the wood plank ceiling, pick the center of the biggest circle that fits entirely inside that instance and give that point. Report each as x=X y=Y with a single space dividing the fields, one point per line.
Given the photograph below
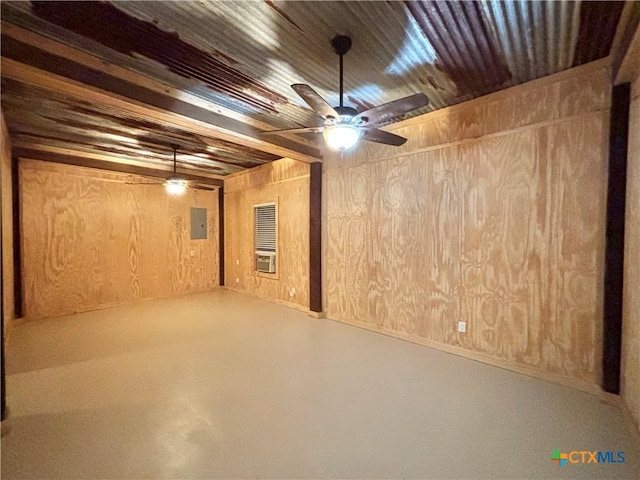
x=121 y=81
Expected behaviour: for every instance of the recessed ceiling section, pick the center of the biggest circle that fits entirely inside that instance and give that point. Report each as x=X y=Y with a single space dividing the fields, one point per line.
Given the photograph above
x=39 y=118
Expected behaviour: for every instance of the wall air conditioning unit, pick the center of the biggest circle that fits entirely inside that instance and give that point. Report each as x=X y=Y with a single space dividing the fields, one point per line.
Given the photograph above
x=266 y=262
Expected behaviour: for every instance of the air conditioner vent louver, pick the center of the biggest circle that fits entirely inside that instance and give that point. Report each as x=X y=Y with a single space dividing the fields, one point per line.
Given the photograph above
x=266 y=262
x=265 y=228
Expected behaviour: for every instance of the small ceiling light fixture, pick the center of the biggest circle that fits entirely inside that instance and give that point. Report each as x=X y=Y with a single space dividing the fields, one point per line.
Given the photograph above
x=174 y=184
x=341 y=137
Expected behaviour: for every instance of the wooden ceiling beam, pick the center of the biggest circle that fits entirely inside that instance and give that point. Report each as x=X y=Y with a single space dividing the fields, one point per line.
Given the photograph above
x=94 y=86
x=133 y=153
x=19 y=142
x=59 y=49
x=82 y=159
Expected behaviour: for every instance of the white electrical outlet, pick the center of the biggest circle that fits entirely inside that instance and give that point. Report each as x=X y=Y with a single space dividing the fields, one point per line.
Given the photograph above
x=462 y=327
x=292 y=292
x=237 y=262
x=237 y=280
x=192 y=252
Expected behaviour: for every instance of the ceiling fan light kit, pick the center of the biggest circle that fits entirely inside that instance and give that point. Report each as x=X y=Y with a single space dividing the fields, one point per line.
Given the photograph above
x=344 y=126
x=341 y=137
x=174 y=184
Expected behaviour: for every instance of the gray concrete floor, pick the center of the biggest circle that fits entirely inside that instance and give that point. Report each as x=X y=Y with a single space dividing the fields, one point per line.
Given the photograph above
x=221 y=385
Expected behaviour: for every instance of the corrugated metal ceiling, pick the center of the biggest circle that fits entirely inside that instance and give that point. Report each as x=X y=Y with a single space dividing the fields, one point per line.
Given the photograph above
x=42 y=117
x=245 y=55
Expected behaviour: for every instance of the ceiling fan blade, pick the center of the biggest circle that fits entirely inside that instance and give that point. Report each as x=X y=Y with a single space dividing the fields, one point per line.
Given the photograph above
x=294 y=130
x=380 y=136
x=389 y=111
x=315 y=101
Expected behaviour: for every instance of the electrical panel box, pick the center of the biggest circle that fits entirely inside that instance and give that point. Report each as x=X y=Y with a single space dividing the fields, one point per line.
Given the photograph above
x=198 y=223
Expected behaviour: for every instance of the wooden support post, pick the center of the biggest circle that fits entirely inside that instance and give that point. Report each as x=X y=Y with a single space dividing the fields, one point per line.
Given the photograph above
x=3 y=384
x=17 y=240
x=315 y=238
x=614 y=253
x=221 y=233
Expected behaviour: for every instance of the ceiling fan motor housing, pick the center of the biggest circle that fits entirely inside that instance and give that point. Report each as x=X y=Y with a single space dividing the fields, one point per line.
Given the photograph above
x=346 y=116
x=341 y=44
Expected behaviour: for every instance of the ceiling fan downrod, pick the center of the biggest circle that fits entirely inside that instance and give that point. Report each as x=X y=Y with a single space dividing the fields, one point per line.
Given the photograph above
x=174 y=184
x=175 y=149
x=341 y=44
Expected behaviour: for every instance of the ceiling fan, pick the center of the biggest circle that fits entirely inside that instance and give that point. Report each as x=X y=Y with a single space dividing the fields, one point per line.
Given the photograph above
x=344 y=126
x=175 y=184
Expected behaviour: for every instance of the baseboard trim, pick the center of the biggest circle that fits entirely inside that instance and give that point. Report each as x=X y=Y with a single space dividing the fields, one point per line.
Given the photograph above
x=576 y=384
x=27 y=319
x=302 y=308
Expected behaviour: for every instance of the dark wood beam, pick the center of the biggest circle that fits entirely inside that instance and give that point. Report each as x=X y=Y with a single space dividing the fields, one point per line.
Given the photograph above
x=315 y=238
x=614 y=251
x=221 y=233
x=18 y=293
x=3 y=384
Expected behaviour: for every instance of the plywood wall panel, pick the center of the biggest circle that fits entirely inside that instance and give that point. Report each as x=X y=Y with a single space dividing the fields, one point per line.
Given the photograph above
x=529 y=106
x=6 y=200
x=581 y=258
x=496 y=188
x=271 y=173
x=480 y=217
x=583 y=94
x=285 y=182
x=93 y=239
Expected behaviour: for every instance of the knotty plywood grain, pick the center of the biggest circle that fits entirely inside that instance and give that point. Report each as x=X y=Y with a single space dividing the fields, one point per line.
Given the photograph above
x=630 y=375
x=7 y=226
x=547 y=100
x=90 y=240
x=285 y=182
x=492 y=213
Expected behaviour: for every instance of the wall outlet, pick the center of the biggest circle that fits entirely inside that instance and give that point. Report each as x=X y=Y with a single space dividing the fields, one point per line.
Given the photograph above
x=192 y=252
x=237 y=280
x=237 y=262
x=292 y=292
x=462 y=327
